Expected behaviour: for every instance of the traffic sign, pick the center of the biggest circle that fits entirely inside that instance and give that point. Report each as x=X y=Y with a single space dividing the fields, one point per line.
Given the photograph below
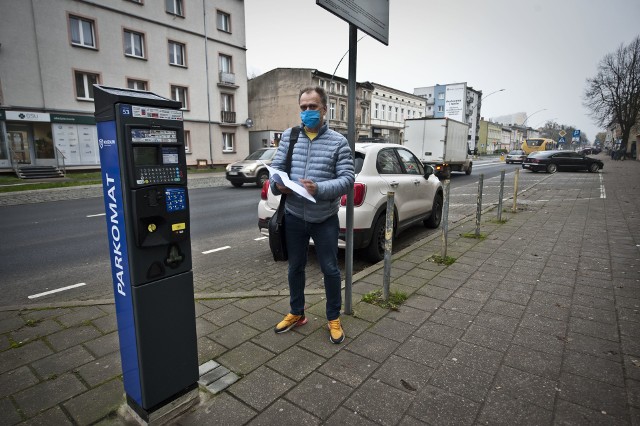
x=576 y=133
x=561 y=139
x=562 y=133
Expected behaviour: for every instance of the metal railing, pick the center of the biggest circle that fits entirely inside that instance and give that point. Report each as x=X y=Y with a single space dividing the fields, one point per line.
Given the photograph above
x=58 y=155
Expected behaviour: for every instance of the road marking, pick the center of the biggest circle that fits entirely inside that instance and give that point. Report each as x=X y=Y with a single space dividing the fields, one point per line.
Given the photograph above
x=602 y=193
x=218 y=249
x=46 y=293
x=96 y=215
x=260 y=238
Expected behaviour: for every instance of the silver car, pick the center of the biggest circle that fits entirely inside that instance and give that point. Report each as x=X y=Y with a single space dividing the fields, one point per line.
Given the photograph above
x=380 y=168
x=252 y=169
x=515 y=156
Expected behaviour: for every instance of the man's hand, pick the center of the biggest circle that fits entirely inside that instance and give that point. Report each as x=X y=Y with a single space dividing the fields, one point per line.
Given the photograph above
x=309 y=185
x=283 y=189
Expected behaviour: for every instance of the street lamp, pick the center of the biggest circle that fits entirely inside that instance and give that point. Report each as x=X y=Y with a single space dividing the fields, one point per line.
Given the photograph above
x=476 y=115
x=486 y=96
x=531 y=115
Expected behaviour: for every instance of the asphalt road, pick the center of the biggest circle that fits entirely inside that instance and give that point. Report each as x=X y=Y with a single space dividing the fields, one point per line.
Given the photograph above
x=61 y=246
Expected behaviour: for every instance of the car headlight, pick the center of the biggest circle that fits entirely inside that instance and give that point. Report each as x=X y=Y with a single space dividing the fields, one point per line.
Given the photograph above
x=228 y=168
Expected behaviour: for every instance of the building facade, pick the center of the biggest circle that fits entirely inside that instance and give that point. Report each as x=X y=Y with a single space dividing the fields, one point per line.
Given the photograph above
x=52 y=52
x=273 y=102
x=389 y=108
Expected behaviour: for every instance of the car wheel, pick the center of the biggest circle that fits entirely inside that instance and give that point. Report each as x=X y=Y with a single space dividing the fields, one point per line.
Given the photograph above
x=593 y=168
x=552 y=168
x=434 y=220
x=468 y=171
x=236 y=184
x=263 y=176
x=375 y=250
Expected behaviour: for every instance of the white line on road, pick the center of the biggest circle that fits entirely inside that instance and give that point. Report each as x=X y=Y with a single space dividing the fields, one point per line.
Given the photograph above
x=602 y=193
x=35 y=296
x=218 y=249
x=260 y=238
x=96 y=215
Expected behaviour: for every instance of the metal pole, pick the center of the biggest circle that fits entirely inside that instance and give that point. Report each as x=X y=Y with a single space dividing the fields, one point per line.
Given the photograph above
x=515 y=191
x=479 y=205
x=500 y=196
x=388 y=239
x=351 y=131
x=445 y=217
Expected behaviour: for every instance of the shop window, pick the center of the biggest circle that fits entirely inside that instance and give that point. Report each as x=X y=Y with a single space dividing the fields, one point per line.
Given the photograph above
x=82 y=31
x=177 y=54
x=84 y=84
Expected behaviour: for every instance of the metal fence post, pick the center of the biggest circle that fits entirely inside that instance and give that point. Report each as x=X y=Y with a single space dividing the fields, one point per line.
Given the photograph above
x=445 y=217
x=500 y=194
x=514 y=209
x=388 y=238
x=479 y=204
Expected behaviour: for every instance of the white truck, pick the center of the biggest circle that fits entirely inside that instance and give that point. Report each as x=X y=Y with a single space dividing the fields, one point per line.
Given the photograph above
x=440 y=142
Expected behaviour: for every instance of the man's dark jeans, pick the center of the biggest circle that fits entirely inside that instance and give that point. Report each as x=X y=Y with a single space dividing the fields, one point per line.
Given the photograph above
x=325 y=239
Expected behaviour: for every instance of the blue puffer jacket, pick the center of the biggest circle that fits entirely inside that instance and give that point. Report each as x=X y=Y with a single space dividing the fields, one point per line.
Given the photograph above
x=327 y=161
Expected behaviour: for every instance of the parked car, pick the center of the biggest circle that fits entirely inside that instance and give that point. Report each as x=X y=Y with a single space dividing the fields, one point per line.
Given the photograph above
x=590 y=151
x=380 y=168
x=251 y=169
x=515 y=156
x=552 y=161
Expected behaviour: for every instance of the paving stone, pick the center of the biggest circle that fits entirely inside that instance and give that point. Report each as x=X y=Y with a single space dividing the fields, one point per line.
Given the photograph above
x=12 y=323
x=496 y=321
x=8 y=413
x=476 y=357
x=533 y=361
x=594 y=314
x=594 y=329
x=296 y=363
x=15 y=357
x=80 y=316
x=96 y=403
x=16 y=380
x=261 y=387
x=278 y=343
x=593 y=394
x=502 y=409
x=492 y=339
x=39 y=328
x=284 y=413
x=453 y=318
x=439 y=407
x=404 y=374
x=392 y=329
x=368 y=312
x=233 y=334
x=73 y=336
x=223 y=409
x=462 y=380
x=593 y=367
x=62 y=362
x=101 y=370
x=372 y=346
x=628 y=328
x=530 y=387
x=379 y=402
x=204 y=327
x=594 y=302
x=253 y=304
x=439 y=333
x=517 y=297
x=47 y=394
x=263 y=319
x=318 y=342
x=104 y=345
x=342 y=417
x=245 y=358
x=53 y=416
x=348 y=368
x=319 y=394
x=544 y=324
x=423 y=351
x=567 y=413
x=225 y=315
x=208 y=349
x=222 y=382
x=435 y=292
x=504 y=308
x=106 y=324
x=539 y=341
x=409 y=315
x=633 y=392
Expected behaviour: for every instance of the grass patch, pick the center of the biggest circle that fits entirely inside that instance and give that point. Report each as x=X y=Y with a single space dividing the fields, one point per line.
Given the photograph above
x=473 y=235
x=447 y=260
x=501 y=221
x=13 y=344
x=32 y=323
x=396 y=298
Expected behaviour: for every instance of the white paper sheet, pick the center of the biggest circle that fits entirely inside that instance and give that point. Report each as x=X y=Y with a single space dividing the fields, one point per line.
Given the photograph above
x=283 y=179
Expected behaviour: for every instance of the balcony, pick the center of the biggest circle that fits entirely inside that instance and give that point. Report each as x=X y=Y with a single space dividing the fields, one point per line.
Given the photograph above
x=227 y=78
x=228 y=116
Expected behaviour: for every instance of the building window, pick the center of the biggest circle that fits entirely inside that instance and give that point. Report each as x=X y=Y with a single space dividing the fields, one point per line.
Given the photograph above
x=134 y=44
x=440 y=95
x=343 y=112
x=227 y=140
x=363 y=117
x=187 y=141
x=177 y=54
x=384 y=112
x=174 y=7
x=332 y=110
x=180 y=94
x=84 y=85
x=137 y=1
x=223 y=21
x=227 y=108
x=375 y=112
x=396 y=119
x=136 y=84
x=440 y=108
x=82 y=32
x=224 y=63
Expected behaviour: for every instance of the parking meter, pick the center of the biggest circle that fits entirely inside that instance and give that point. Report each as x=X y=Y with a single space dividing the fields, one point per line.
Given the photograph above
x=144 y=178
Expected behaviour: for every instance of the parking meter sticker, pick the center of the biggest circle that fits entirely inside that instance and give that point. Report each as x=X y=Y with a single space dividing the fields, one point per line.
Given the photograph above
x=178 y=226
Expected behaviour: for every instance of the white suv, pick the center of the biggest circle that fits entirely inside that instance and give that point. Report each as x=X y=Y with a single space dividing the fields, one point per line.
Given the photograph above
x=380 y=168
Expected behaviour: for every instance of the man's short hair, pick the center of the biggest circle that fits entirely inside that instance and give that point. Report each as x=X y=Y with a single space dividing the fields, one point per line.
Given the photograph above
x=319 y=90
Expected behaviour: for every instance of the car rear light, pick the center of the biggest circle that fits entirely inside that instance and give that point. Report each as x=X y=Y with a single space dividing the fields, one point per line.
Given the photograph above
x=359 y=191
x=264 y=194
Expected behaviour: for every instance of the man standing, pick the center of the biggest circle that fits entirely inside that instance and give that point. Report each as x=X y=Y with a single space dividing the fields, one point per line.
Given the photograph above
x=321 y=162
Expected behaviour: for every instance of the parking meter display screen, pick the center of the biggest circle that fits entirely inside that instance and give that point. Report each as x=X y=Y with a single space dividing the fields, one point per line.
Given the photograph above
x=170 y=155
x=154 y=135
x=145 y=156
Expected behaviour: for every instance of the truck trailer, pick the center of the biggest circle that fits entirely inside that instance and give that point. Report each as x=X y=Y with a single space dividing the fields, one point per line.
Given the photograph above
x=439 y=142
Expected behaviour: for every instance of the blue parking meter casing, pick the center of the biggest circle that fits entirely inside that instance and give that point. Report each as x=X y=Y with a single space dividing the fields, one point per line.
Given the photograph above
x=144 y=177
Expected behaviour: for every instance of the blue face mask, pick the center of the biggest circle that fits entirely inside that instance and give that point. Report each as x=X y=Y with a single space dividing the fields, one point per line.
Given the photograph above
x=310 y=118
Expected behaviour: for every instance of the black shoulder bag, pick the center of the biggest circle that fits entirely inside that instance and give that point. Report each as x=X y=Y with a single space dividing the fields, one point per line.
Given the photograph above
x=277 y=242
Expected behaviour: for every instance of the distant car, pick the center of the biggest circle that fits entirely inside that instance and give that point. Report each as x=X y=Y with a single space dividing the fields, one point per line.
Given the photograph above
x=515 y=156
x=251 y=169
x=380 y=168
x=552 y=161
x=590 y=151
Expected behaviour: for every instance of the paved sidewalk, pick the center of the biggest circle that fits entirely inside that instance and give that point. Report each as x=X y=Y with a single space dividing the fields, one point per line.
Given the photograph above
x=535 y=324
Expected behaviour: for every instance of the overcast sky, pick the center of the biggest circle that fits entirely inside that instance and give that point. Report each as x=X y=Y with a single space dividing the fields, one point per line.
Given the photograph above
x=540 y=51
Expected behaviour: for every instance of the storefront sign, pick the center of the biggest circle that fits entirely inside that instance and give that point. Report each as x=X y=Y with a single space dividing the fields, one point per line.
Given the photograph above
x=27 y=116
x=73 y=119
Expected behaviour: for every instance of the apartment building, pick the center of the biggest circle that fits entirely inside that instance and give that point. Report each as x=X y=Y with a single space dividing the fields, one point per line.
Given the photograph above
x=53 y=51
x=273 y=103
x=389 y=108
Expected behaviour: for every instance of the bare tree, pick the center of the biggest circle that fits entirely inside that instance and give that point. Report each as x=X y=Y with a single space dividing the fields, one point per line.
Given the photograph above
x=613 y=95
